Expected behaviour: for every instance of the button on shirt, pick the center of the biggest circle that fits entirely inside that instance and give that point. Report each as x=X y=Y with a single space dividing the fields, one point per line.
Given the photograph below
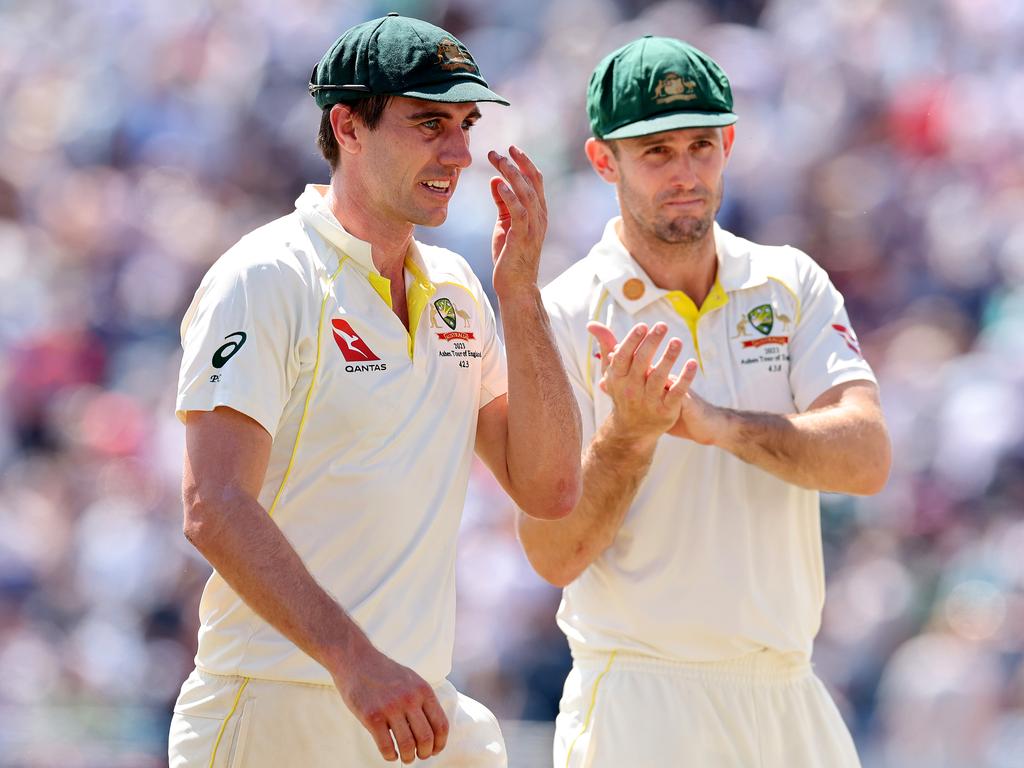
x=373 y=428
x=716 y=558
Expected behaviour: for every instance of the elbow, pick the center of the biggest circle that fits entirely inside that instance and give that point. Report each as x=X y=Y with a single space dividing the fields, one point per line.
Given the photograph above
x=195 y=526
x=558 y=575
x=556 y=503
x=875 y=468
x=201 y=518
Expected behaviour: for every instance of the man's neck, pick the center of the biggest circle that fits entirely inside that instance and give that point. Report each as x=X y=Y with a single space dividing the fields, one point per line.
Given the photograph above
x=389 y=241
x=686 y=267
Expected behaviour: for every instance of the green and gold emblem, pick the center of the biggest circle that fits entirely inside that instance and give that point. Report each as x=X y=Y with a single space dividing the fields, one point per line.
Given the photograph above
x=446 y=310
x=762 y=318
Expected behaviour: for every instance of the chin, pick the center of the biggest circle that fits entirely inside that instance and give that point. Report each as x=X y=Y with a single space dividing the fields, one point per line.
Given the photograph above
x=430 y=218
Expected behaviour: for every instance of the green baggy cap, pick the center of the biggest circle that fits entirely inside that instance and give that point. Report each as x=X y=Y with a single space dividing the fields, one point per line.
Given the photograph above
x=657 y=84
x=398 y=56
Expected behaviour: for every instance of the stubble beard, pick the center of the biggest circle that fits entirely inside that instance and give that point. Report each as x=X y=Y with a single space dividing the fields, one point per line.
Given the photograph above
x=675 y=230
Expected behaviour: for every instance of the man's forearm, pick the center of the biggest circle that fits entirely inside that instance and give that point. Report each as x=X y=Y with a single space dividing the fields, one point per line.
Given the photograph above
x=544 y=434
x=256 y=560
x=613 y=468
x=829 y=449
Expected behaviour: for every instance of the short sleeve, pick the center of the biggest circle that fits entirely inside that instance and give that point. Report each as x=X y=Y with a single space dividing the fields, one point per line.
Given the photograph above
x=239 y=338
x=494 y=368
x=824 y=350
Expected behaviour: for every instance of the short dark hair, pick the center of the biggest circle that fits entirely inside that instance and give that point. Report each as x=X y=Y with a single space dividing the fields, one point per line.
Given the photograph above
x=368 y=111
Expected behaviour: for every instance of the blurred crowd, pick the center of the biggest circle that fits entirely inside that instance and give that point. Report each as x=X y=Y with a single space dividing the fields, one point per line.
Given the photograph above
x=139 y=139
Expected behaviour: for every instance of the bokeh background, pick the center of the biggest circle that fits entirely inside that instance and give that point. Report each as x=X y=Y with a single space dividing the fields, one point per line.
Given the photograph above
x=140 y=138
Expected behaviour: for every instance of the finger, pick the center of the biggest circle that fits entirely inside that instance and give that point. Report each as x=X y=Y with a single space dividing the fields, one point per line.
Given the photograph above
x=622 y=357
x=531 y=171
x=645 y=352
x=658 y=376
x=523 y=189
x=681 y=386
x=499 y=202
x=438 y=722
x=605 y=340
x=377 y=725
x=403 y=737
x=421 y=732
x=513 y=204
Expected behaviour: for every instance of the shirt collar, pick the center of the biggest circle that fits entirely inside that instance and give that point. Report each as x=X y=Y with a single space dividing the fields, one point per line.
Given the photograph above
x=312 y=207
x=630 y=286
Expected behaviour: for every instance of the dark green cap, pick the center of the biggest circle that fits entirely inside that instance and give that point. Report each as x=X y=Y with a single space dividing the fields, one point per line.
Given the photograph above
x=657 y=84
x=398 y=56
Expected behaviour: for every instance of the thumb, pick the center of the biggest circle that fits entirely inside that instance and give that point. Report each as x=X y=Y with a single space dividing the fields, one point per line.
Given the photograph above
x=605 y=339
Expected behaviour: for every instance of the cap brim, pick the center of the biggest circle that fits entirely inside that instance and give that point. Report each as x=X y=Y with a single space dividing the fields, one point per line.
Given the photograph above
x=453 y=92
x=672 y=121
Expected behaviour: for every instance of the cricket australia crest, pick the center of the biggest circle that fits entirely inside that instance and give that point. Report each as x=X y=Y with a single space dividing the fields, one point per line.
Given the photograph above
x=673 y=88
x=762 y=318
x=451 y=315
x=452 y=56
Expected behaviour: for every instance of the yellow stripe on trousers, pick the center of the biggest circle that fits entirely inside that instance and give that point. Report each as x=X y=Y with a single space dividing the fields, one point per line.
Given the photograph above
x=224 y=725
x=590 y=709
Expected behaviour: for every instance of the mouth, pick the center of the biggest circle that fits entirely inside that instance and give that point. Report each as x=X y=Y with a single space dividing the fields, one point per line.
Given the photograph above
x=687 y=203
x=440 y=187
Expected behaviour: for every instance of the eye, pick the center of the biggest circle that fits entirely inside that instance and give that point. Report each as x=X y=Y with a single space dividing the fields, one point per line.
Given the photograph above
x=702 y=144
x=431 y=125
x=468 y=123
x=656 y=150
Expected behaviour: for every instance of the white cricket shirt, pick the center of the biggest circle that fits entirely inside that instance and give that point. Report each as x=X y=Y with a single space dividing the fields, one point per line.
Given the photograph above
x=716 y=558
x=373 y=428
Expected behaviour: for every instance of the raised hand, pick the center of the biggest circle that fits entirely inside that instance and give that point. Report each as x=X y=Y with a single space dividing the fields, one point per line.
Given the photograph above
x=388 y=698
x=522 y=220
x=646 y=398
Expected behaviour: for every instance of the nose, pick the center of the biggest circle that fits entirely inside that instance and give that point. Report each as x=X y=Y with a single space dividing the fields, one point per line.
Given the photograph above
x=683 y=173
x=454 y=151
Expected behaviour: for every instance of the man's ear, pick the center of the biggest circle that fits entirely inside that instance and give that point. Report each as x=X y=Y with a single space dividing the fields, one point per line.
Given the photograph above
x=346 y=128
x=603 y=160
x=728 y=137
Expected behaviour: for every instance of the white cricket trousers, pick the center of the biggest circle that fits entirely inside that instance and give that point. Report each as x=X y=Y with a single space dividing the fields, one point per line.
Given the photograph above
x=761 y=711
x=236 y=722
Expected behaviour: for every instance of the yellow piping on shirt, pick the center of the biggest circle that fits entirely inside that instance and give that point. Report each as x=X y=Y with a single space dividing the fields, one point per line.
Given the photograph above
x=590 y=344
x=795 y=297
x=220 y=733
x=590 y=709
x=419 y=294
x=309 y=394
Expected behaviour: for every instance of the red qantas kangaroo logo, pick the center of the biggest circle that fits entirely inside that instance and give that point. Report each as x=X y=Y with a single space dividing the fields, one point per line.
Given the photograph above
x=351 y=345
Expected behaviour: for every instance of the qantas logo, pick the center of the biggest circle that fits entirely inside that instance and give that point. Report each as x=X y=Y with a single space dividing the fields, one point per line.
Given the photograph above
x=351 y=345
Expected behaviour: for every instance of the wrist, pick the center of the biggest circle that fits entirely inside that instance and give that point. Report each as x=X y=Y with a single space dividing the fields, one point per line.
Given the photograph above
x=630 y=439
x=518 y=295
x=348 y=645
x=725 y=427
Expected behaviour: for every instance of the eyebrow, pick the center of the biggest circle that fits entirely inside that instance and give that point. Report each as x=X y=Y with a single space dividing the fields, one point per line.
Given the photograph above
x=660 y=138
x=431 y=114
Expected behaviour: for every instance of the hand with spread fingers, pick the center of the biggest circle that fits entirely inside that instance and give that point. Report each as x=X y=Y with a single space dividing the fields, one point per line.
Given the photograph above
x=647 y=398
x=522 y=220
